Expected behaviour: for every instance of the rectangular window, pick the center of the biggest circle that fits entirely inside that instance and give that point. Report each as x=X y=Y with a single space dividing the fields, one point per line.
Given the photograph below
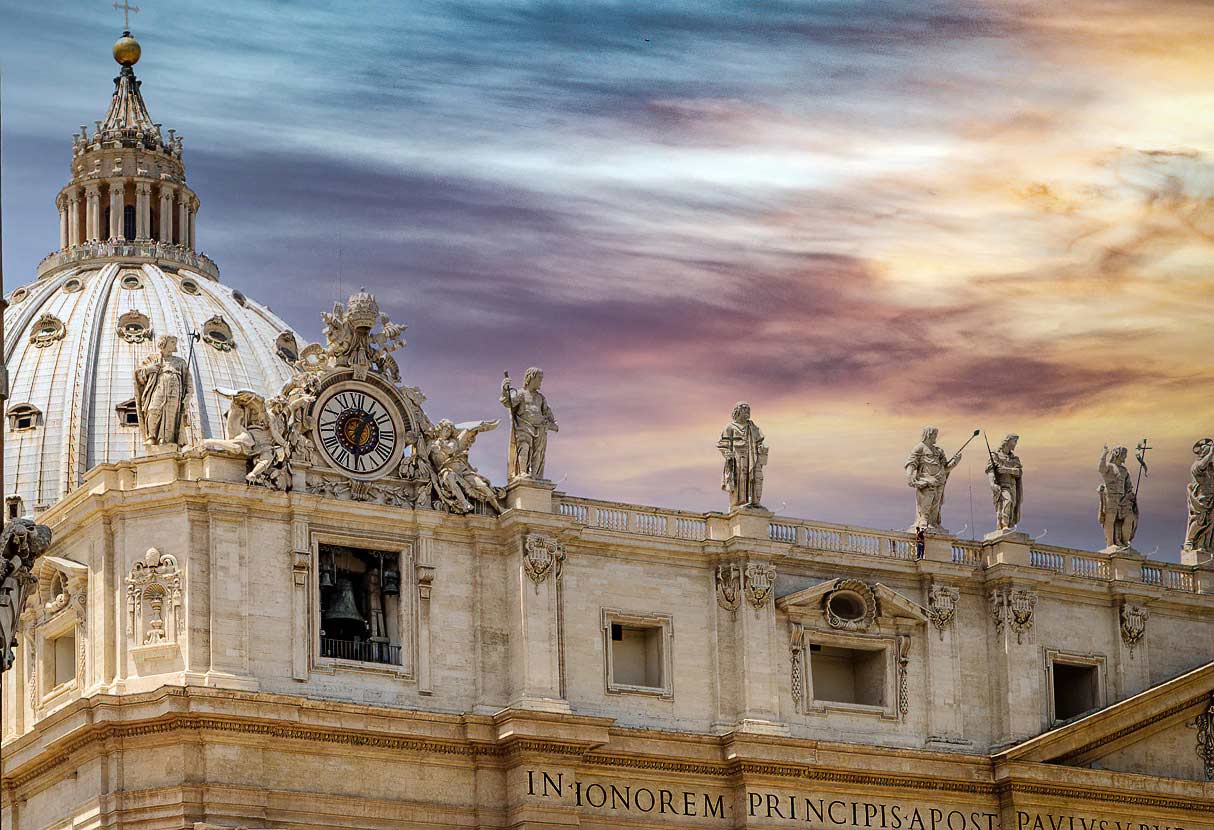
x=1076 y=690
x=638 y=653
x=359 y=604
x=64 y=650
x=848 y=675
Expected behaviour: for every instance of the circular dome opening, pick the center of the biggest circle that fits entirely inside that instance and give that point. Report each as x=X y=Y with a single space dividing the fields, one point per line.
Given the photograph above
x=132 y=282
x=189 y=287
x=239 y=298
x=73 y=285
x=847 y=605
x=19 y=295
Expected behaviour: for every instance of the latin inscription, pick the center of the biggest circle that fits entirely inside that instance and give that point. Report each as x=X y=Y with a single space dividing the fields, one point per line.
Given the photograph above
x=813 y=811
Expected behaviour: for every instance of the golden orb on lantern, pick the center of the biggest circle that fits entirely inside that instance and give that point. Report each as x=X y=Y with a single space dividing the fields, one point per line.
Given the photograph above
x=126 y=50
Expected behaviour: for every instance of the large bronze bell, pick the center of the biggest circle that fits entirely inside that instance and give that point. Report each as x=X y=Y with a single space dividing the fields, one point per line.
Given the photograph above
x=342 y=620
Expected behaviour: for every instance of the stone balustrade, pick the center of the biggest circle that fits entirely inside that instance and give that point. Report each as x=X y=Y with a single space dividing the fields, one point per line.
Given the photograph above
x=835 y=538
x=157 y=252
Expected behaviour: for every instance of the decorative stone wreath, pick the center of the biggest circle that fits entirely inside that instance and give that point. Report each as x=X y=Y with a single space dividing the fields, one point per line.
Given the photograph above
x=850 y=606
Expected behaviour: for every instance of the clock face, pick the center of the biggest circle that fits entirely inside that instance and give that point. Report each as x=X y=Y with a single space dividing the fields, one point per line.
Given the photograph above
x=357 y=431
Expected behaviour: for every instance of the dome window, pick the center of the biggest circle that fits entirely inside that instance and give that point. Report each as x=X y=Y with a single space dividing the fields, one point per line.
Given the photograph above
x=24 y=416
x=134 y=327
x=47 y=331
x=132 y=281
x=73 y=285
x=286 y=347
x=190 y=287
x=18 y=295
x=239 y=298
x=218 y=334
x=128 y=413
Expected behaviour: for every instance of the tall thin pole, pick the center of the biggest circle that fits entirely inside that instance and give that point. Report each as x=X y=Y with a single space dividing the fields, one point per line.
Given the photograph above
x=3 y=308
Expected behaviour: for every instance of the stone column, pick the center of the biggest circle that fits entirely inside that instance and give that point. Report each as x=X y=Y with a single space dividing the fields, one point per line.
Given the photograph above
x=193 y=213
x=92 y=222
x=73 y=217
x=143 y=211
x=182 y=220
x=166 y=214
x=117 y=200
x=61 y=203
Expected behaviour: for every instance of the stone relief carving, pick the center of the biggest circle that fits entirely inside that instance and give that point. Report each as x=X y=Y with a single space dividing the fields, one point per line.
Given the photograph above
x=256 y=428
x=796 y=656
x=745 y=452
x=760 y=579
x=542 y=556
x=531 y=420
x=47 y=331
x=927 y=470
x=218 y=334
x=1205 y=739
x=459 y=483
x=1199 y=533
x=350 y=340
x=21 y=543
x=1013 y=607
x=162 y=395
x=903 y=654
x=729 y=586
x=850 y=606
x=1133 y=625
x=134 y=327
x=1118 y=502
x=1005 y=474
x=942 y=602
x=153 y=598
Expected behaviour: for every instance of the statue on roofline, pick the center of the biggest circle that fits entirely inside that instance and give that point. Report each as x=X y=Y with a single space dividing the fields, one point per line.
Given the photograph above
x=530 y=422
x=927 y=470
x=1118 y=500
x=1199 y=532
x=1006 y=476
x=745 y=452
x=162 y=395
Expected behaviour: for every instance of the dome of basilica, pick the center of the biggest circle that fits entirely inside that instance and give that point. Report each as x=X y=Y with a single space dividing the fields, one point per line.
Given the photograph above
x=126 y=274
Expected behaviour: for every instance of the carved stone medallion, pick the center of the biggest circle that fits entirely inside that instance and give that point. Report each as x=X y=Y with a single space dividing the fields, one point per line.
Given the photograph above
x=542 y=556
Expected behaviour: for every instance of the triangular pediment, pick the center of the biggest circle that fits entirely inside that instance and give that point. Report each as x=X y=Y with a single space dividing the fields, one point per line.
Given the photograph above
x=1152 y=733
x=888 y=603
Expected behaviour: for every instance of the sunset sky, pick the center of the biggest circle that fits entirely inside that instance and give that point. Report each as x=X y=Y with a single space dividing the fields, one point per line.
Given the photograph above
x=859 y=217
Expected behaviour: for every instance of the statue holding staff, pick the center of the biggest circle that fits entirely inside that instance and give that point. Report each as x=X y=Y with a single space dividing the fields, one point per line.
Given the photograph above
x=1006 y=476
x=530 y=422
x=1199 y=534
x=927 y=470
x=745 y=452
x=1118 y=499
x=162 y=393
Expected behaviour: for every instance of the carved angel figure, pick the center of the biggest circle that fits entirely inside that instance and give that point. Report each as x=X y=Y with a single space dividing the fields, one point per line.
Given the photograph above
x=386 y=341
x=336 y=330
x=448 y=446
x=255 y=429
x=21 y=543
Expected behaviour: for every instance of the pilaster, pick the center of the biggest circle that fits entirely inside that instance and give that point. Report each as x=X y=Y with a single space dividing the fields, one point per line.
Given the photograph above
x=1016 y=665
x=166 y=213
x=759 y=659
x=92 y=222
x=946 y=727
x=143 y=211
x=535 y=642
x=1133 y=664
x=117 y=201
x=183 y=227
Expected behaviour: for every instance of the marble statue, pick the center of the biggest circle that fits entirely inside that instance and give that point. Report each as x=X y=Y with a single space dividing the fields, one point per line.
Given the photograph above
x=256 y=429
x=530 y=422
x=1118 y=501
x=745 y=451
x=350 y=339
x=162 y=394
x=20 y=544
x=1199 y=534
x=1005 y=473
x=927 y=470
x=459 y=482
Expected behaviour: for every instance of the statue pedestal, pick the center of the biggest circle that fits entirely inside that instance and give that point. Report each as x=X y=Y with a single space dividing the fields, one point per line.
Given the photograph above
x=1125 y=563
x=749 y=522
x=531 y=494
x=937 y=545
x=1006 y=547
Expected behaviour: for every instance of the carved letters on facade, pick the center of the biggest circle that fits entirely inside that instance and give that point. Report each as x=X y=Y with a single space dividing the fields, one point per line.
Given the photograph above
x=1013 y=607
x=153 y=598
x=942 y=602
x=760 y=580
x=542 y=556
x=1133 y=625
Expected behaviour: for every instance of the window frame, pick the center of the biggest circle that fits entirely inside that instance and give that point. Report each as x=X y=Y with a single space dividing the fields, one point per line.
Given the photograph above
x=660 y=621
x=407 y=621
x=855 y=642
x=1053 y=657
